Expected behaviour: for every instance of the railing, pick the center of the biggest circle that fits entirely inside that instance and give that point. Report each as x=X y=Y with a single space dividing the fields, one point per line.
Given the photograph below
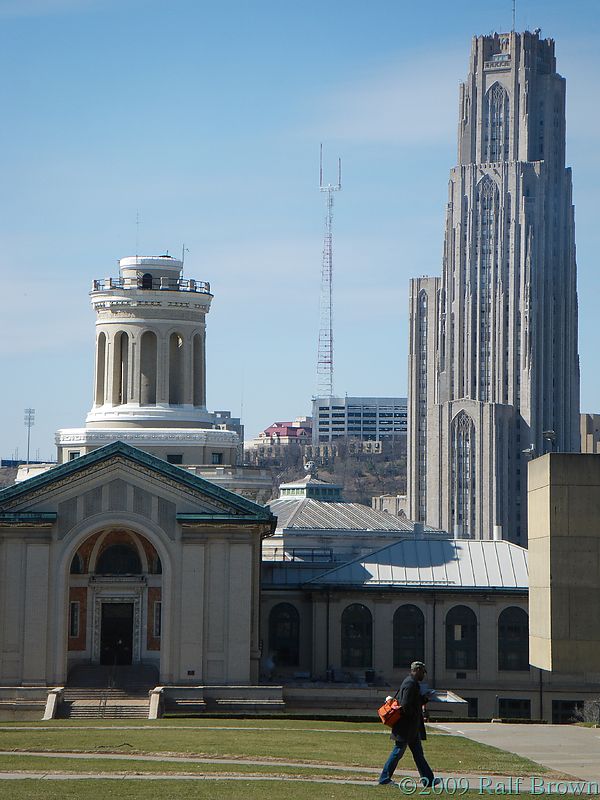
x=156 y=284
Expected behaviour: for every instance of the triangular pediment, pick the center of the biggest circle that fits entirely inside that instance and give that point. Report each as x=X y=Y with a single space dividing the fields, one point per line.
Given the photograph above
x=121 y=472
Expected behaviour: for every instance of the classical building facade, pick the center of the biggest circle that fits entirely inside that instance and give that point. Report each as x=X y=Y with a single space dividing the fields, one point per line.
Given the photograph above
x=493 y=364
x=119 y=558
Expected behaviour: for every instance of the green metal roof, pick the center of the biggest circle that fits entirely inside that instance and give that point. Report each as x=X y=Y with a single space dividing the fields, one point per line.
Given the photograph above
x=33 y=517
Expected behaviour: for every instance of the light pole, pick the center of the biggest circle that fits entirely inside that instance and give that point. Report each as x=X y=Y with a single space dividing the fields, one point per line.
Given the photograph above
x=29 y=420
x=550 y=437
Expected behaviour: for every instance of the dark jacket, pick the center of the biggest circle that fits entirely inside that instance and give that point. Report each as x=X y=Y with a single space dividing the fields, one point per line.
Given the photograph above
x=411 y=725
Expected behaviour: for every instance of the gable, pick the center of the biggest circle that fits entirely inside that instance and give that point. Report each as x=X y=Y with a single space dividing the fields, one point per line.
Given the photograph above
x=119 y=477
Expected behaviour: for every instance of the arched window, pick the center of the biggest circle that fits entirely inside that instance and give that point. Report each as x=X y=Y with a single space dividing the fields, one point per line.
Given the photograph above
x=357 y=636
x=409 y=636
x=148 y=369
x=100 y=368
x=119 y=559
x=284 y=635
x=120 y=368
x=76 y=565
x=487 y=265
x=461 y=638
x=155 y=565
x=175 y=369
x=198 y=381
x=513 y=639
x=147 y=281
x=496 y=141
x=462 y=499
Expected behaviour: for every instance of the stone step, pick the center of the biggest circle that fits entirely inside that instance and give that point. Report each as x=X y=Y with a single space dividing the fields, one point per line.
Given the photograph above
x=94 y=710
x=99 y=694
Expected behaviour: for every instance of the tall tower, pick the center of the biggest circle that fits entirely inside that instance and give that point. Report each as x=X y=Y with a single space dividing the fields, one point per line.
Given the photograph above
x=325 y=350
x=493 y=365
x=150 y=371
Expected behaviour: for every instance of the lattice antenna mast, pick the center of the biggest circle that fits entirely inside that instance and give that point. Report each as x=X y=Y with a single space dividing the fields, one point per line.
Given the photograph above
x=325 y=351
x=29 y=420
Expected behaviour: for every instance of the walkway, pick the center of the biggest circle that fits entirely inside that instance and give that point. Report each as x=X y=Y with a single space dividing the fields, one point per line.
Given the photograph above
x=408 y=781
x=565 y=748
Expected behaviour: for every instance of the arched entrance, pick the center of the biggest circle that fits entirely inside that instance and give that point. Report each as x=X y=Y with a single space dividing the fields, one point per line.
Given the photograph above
x=115 y=601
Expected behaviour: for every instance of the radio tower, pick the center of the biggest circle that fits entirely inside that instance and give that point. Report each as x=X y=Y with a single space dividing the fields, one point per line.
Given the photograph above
x=325 y=353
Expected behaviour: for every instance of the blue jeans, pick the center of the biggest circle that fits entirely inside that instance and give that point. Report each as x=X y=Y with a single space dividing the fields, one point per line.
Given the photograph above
x=398 y=750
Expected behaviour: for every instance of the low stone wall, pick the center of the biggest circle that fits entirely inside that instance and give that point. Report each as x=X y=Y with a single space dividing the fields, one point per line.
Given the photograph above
x=325 y=699
x=22 y=703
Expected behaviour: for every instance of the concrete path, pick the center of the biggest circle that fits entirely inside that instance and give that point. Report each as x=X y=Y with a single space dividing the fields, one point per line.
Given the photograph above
x=565 y=748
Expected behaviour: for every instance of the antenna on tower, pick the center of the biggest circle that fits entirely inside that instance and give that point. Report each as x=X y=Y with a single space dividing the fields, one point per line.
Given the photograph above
x=514 y=15
x=325 y=349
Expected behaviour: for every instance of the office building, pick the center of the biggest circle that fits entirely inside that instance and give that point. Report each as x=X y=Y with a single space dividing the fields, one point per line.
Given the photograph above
x=365 y=418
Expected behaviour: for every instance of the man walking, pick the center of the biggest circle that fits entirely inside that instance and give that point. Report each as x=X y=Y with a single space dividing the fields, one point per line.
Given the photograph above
x=410 y=729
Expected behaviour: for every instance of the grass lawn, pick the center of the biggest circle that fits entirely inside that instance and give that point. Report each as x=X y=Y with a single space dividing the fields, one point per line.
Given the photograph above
x=311 y=742
x=199 y=790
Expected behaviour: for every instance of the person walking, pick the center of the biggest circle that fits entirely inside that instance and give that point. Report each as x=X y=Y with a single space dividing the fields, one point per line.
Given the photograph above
x=409 y=731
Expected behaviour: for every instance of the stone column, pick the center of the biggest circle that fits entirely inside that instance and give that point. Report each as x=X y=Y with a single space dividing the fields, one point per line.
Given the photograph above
x=35 y=621
x=237 y=646
x=193 y=603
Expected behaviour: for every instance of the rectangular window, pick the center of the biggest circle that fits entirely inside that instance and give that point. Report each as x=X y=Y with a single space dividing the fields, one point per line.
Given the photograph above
x=157 y=619
x=565 y=711
x=175 y=458
x=74 y=619
x=73 y=454
x=509 y=708
x=473 y=706
x=217 y=458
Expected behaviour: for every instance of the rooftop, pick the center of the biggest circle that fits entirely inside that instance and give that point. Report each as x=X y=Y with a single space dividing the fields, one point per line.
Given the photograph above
x=449 y=564
x=306 y=514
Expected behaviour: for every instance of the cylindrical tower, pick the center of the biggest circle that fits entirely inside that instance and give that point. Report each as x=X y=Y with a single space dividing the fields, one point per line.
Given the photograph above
x=150 y=375
x=150 y=347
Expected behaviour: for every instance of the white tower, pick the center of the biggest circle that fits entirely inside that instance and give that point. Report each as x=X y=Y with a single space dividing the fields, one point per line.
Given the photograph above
x=150 y=376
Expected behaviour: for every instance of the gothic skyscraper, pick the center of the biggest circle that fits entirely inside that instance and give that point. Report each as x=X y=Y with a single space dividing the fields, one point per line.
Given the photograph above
x=493 y=359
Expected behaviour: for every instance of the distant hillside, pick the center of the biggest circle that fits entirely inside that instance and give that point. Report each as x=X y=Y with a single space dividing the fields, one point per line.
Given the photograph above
x=7 y=476
x=361 y=474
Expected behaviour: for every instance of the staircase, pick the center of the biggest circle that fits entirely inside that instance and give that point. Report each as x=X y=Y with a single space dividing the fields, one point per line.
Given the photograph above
x=98 y=692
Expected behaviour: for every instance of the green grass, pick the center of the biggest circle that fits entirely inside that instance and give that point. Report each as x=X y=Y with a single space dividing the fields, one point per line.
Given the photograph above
x=335 y=743
x=197 y=789
x=44 y=764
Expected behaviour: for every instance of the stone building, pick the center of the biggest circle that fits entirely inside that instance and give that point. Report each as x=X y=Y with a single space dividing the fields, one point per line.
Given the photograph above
x=119 y=558
x=369 y=419
x=493 y=359
x=590 y=433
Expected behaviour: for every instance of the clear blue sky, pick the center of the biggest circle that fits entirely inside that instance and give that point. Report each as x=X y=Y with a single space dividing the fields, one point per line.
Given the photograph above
x=206 y=117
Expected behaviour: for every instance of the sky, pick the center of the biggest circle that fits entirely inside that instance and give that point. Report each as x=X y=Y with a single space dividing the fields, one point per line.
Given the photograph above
x=203 y=121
